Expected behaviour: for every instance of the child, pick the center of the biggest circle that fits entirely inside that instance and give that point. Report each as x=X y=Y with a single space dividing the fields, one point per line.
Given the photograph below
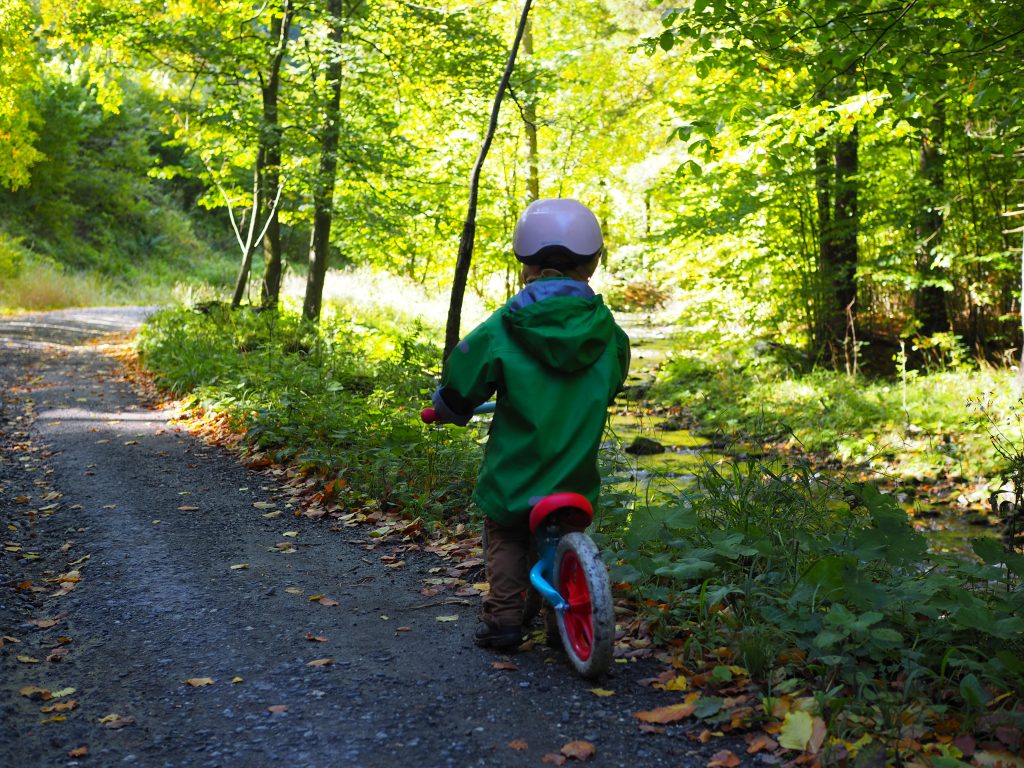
x=556 y=359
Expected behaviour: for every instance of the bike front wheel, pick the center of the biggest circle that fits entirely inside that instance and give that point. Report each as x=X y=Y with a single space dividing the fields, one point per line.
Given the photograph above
x=587 y=626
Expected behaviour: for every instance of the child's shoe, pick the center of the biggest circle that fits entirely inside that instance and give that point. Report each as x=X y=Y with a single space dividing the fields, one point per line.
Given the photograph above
x=502 y=636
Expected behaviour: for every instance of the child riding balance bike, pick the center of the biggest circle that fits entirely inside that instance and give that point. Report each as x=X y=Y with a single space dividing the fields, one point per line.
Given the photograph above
x=555 y=359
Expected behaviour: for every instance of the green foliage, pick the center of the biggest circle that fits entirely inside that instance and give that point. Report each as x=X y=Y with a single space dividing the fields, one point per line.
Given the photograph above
x=342 y=400
x=766 y=558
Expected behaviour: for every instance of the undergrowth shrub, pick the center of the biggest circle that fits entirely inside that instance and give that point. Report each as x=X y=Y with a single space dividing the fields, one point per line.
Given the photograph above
x=778 y=562
x=341 y=400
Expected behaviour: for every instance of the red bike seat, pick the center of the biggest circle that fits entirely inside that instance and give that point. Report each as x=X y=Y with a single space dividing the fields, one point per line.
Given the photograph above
x=578 y=511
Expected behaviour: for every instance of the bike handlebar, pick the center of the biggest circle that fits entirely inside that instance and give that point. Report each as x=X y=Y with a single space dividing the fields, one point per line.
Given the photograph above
x=429 y=415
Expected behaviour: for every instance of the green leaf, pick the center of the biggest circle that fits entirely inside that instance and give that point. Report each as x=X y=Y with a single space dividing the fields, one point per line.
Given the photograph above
x=973 y=692
x=666 y=40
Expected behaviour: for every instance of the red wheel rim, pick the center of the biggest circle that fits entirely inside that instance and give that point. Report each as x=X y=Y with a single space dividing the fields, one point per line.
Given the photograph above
x=578 y=618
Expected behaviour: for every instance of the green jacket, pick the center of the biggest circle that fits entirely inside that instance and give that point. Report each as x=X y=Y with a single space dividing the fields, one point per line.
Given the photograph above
x=556 y=359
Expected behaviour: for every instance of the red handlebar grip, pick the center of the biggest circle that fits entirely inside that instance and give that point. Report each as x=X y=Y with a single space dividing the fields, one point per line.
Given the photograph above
x=429 y=415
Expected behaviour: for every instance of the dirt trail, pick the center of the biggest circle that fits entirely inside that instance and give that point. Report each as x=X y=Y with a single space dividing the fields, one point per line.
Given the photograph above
x=117 y=580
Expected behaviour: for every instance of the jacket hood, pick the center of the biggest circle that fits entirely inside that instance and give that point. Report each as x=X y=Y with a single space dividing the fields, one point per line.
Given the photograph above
x=561 y=323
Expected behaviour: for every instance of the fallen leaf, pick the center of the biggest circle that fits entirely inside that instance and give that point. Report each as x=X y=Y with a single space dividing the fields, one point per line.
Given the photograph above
x=290 y=534
x=278 y=709
x=26 y=659
x=579 y=750
x=758 y=742
x=57 y=655
x=518 y=744
x=60 y=706
x=188 y=508
x=553 y=759
x=79 y=752
x=447 y=618
x=271 y=515
x=315 y=638
x=505 y=665
x=328 y=601
x=115 y=722
x=45 y=623
x=297 y=591
x=990 y=758
x=671 y=713
x=36 y=694
x=320 y=663
x=237 y=679
x=724 y=759
x=61 y=693
x=644 y=728
x=797 y=729
x=239 y=567
x=601 y=692
x=263 y=505
x=199 y=682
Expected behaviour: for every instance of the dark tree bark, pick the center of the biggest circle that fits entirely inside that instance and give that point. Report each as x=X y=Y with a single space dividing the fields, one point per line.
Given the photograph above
x=838 y=224
x=465 y=257
x=930 y=299
x=323 y=187
x=270 y=88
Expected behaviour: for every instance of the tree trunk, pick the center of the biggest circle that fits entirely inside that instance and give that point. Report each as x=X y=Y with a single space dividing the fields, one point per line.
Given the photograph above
x=271 y=137
x=930 y=300
x=530 y=121
x=248 y=246
x=465 y=257
x=838 y=227
x=323 y=187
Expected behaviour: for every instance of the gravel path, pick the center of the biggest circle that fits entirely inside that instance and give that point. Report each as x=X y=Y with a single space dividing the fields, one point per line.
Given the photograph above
x=117 y=580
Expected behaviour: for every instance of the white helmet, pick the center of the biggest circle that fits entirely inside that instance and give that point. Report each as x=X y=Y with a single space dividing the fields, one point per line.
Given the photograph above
x=557 y=232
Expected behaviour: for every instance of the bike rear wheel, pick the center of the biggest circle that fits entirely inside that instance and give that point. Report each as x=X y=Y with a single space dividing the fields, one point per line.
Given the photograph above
x=587 y=627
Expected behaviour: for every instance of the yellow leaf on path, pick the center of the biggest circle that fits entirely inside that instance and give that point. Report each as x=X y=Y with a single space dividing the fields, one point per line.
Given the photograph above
x=61 y=706
x=579 y=750
x=188 y=508
x=671 y=713
x=59 y=694
x=297 y=591
x=32 y=692
x=290 y=534
x=518 y=744
x=115 y=721
x=26 y=659
x=263 y=505
x=237 y=679
x=320 y=663
x=797 y=729
x=199 y=682
x=602 y=692
x=677 y=684
x=447 y=618
x=271 y=515
x=239 y=567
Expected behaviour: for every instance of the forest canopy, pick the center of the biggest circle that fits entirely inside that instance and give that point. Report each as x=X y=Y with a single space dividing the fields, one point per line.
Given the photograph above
x=831 y=175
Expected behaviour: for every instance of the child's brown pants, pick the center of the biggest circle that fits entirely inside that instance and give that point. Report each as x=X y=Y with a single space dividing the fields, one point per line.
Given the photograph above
x=508 y=566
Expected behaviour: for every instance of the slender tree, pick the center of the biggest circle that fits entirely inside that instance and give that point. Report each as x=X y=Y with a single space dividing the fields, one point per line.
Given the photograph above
x=465 y=256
